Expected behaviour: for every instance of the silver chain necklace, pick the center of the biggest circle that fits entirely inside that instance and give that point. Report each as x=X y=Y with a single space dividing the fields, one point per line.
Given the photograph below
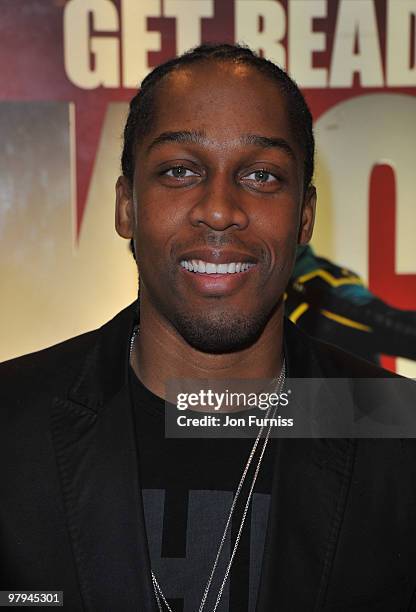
x=157 y=589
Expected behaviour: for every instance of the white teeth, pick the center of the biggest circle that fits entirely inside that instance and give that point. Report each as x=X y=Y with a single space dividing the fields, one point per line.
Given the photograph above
x=204 y=267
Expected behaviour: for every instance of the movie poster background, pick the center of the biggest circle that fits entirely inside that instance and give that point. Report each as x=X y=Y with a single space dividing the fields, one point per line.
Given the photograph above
x=68 y=70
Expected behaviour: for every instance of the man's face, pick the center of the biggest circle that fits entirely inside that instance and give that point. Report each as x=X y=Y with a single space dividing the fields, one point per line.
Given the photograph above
x=217 y=206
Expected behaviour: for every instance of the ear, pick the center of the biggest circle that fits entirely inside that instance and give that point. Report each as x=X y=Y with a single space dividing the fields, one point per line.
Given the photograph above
x=307 y=219
x=124 y=208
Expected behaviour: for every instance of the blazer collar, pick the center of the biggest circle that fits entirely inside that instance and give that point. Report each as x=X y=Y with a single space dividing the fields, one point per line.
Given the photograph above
x=309 y=492
x=104 y=370
x=93 y=435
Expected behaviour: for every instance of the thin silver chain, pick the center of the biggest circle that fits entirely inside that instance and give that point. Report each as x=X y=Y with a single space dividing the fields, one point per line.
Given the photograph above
x=157 y=589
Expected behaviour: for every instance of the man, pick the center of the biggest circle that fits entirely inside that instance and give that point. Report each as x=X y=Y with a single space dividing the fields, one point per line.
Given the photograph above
x=216 y=194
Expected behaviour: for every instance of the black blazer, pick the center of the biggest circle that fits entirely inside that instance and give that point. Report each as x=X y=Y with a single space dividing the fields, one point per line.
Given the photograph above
x=342 y=524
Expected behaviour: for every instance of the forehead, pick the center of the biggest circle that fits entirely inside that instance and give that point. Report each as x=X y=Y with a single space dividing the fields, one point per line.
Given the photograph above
x=222 y=99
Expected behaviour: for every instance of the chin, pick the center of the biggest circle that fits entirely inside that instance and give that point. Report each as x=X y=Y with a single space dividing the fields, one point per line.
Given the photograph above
x=220 y=332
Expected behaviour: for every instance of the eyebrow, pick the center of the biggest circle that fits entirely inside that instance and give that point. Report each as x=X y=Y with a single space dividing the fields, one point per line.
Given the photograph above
x=199 y=137
x=183 y=136
x=266 y=142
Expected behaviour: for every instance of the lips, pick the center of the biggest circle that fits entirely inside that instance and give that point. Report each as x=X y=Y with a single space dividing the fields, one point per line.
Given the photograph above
x=204 y=267
x=214 y=272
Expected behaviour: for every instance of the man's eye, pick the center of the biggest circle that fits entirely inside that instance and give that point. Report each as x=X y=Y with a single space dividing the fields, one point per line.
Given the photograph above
x=179 y=172
x=261 y=176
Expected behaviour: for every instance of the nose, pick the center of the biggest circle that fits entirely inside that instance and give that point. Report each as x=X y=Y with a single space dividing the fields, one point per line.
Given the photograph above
x=219 y=205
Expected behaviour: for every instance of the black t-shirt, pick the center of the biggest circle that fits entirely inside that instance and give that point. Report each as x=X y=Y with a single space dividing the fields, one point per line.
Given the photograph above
x=188 y=486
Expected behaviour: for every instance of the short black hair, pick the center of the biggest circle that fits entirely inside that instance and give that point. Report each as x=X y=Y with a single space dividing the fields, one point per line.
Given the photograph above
x=142 y=105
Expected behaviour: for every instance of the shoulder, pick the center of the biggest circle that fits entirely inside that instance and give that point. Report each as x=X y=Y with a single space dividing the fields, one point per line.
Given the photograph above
x=336 y=361
x=52 y=369
x=350 y=397
x=45 y=370
x=316 y=358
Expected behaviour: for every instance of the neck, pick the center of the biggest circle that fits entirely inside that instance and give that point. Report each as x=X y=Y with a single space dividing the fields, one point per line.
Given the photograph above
x=160 y=353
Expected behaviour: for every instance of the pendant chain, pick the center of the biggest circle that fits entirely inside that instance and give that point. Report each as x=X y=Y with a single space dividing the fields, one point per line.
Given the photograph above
x=157 y=589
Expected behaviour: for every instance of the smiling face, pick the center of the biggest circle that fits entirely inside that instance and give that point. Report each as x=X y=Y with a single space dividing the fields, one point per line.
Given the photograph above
x=217 y=206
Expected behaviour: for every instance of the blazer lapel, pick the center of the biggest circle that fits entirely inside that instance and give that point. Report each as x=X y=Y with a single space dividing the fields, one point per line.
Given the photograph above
x=309 y=493
x=94 y=439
